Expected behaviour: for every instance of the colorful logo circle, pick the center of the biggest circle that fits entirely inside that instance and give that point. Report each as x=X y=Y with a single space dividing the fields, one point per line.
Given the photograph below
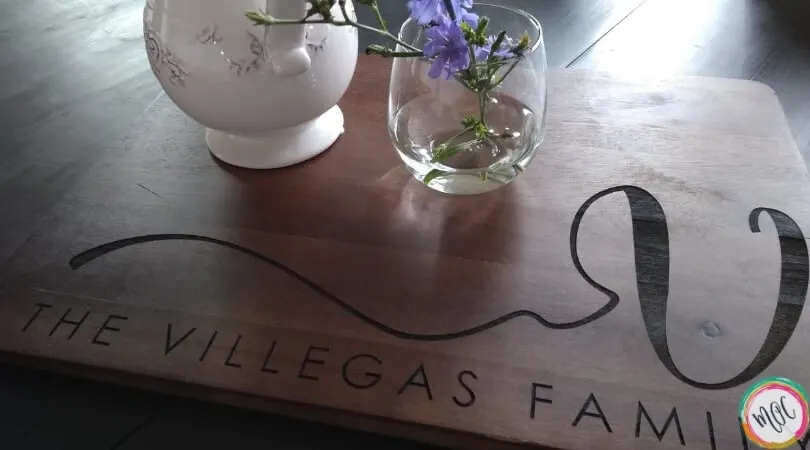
x=774 y=413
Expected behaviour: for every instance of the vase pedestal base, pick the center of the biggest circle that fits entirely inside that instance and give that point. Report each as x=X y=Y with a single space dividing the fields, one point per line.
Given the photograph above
x=282 y=148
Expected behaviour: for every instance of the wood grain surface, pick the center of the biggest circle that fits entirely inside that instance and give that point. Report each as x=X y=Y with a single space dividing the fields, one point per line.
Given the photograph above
x=75 y=78
x=618 y=294
x=763 y=40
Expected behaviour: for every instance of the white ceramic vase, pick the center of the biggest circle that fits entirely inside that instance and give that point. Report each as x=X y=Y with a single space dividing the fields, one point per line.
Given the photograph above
x=266 y=95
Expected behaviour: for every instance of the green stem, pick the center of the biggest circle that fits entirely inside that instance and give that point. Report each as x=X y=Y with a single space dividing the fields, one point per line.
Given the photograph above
x=482 y=105
x=448 y=4
x=384 y=33
x=388 y=53
x=472 y=67
x=260 y=18
x=470 y=72
x=508 y=71
x=447 y=151
x=380 y=18
x=496 y=46
x=465 y=130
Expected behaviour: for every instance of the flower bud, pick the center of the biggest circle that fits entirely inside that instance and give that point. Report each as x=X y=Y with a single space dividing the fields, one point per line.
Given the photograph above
x=523 y=44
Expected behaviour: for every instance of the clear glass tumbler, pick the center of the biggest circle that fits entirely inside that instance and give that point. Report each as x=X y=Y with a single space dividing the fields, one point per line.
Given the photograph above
x=427 y=116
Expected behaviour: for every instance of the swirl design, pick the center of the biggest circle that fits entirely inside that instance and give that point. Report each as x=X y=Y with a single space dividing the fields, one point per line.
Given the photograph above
x=652 y=260
x=89 y=255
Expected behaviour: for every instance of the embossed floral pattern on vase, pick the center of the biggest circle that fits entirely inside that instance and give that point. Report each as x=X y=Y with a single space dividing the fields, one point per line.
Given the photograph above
x=162 y=59
x=230 y=75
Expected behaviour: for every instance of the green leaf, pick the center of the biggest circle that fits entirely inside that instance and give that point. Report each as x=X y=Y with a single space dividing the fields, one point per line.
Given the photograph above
x=470 y=122
x=432 y=175
x=496 y=46
x=482 y=26
x=481 y=132
x=445 y=152
x=259 y=18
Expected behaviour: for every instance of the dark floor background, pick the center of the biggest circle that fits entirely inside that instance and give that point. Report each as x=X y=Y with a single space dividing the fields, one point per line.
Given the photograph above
x=73 y=77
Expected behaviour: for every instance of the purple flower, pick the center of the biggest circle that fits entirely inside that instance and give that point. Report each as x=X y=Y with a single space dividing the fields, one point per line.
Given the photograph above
x=426 y=11
x=504 y=49
x=446 y=43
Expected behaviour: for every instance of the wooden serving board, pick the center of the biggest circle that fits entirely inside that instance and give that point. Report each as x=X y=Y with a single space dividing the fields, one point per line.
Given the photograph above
x=623 y=293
